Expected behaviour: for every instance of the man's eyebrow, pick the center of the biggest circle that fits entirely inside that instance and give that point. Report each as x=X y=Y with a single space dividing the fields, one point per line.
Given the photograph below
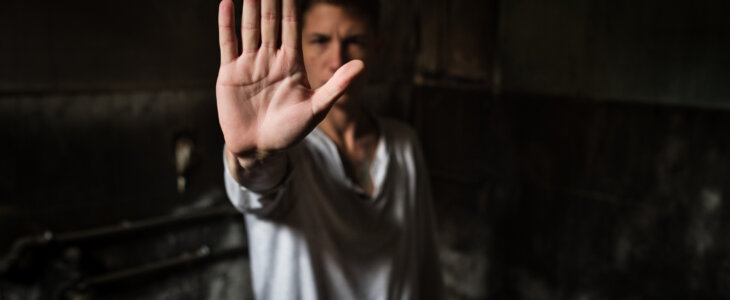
x=357 y=37
x=322 y=35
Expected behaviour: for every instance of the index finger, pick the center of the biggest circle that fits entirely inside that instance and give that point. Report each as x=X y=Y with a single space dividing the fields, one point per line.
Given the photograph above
x=290 y=24
x=226 y=32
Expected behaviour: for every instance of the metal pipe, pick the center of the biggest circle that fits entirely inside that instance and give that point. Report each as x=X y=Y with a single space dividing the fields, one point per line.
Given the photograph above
x=203 y=254
x=49 y=238
x=141 y=225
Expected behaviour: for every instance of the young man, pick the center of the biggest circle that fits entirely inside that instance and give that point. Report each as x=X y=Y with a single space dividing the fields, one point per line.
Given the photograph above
x=336 y=201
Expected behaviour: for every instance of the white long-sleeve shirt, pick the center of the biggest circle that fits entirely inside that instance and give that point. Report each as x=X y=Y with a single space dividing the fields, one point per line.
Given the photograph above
x=317 y=236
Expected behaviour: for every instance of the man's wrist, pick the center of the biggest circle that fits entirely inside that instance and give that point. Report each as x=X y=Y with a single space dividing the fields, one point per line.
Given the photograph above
x=260 y=173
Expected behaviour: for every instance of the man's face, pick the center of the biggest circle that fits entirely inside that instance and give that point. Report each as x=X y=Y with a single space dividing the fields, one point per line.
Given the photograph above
x=332 y=36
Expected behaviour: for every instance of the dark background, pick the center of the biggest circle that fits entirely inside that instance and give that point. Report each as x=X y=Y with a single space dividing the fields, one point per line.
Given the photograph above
x=578 y=149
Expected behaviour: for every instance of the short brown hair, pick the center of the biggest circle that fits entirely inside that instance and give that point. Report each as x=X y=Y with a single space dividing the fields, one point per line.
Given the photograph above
x=370 y=9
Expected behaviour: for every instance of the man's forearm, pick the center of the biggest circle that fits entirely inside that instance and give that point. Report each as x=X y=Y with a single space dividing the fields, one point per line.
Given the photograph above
x=257 y=174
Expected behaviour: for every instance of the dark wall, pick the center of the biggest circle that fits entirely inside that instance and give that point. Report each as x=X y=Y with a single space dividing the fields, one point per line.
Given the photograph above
x=587 y=159
x=82 y=45
x=93 y=97
x=555 y=198
x=640 y=51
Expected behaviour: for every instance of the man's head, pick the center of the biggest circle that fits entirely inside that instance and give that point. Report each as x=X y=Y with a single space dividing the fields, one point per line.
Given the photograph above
x=369 y=10
x=335 y=32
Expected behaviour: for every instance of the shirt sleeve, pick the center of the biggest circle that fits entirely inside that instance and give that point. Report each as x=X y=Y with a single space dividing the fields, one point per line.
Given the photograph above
x=263 y=204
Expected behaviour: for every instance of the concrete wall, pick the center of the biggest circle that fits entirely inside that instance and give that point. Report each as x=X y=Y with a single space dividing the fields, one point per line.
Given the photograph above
x=555 y=198
x=93 y=98
x=587 y=160
x=82 y=45
x=640 y=51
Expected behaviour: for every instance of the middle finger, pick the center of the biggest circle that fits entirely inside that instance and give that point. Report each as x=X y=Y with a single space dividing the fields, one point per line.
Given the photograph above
x=269 y=23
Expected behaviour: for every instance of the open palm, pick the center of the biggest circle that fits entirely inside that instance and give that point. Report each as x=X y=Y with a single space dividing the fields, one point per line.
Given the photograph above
x=264 y=101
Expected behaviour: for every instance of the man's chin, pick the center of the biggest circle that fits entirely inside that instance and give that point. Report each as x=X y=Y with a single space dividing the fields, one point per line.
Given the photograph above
x=348 y=100
x=344 y=100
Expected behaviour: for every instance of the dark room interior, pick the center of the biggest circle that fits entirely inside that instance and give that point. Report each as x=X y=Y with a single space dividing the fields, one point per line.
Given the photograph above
x=576 y=149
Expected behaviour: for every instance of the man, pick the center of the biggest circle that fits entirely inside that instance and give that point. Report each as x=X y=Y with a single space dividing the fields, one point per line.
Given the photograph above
x=336 y=201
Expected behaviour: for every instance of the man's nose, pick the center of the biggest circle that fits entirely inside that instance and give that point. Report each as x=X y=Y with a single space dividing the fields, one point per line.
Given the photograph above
x=338 y=57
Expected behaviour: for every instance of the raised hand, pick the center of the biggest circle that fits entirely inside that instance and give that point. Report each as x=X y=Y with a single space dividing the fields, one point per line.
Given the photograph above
x=264 y=101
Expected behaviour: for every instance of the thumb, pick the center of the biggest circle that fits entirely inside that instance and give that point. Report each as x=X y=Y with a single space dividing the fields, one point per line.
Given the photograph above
x=327 y=94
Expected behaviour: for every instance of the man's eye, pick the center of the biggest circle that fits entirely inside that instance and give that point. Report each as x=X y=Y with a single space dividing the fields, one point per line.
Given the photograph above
x=319 y=41
x=356 y=42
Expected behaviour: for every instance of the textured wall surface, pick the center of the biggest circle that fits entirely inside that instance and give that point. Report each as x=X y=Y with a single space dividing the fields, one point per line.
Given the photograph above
x=558 y=198
x=615 y=201
x=81 y=45
x=67 y=155
x=645 y=51
x=93 y=99
x=585 y=159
